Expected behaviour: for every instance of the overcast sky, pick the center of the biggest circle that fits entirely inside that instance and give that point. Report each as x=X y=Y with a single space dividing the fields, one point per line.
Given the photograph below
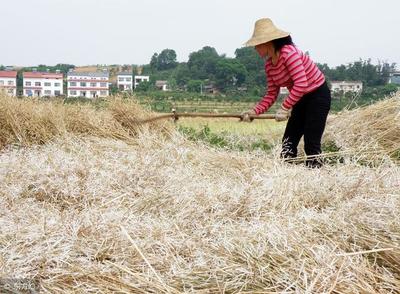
x=83 y=32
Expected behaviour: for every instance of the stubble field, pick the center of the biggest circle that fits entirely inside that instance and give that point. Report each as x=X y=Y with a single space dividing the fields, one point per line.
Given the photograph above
x=94 y=202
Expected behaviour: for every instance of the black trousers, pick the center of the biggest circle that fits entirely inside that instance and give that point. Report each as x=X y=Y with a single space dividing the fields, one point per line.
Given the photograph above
x=308 y=119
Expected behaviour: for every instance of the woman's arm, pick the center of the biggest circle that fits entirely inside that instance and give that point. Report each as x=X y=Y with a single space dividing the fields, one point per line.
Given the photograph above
x=295 y=66
x=269 y=98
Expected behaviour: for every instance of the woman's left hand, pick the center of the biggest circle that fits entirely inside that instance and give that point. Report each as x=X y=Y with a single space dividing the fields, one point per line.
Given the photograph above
x=282 y=114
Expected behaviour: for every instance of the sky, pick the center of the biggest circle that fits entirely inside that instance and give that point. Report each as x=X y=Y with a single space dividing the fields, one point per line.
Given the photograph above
x=86 y=32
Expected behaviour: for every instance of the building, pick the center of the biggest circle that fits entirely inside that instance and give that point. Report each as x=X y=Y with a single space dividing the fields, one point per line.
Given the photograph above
x=346 y=86
x=8 y=82
x=124 y=81
x=88 y=84
x=394 y=78
x=162 y=85
x=41 y=84
x=139 y=79
x=212 y=89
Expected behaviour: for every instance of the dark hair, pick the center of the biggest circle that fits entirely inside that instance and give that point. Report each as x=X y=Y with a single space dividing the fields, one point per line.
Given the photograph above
x=279 y=43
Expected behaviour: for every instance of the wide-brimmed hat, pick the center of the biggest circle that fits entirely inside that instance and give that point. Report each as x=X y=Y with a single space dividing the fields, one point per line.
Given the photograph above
x=265 y=31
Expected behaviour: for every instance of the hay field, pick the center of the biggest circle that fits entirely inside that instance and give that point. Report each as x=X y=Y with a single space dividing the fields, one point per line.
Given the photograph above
x=92 y=202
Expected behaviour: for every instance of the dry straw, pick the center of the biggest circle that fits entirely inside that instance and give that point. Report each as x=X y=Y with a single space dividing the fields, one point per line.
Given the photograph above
x=158 y=214
x=33 y=121
x=371 y=132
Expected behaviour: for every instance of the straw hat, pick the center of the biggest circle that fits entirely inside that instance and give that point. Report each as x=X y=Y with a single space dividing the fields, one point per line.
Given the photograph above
x=265 y=31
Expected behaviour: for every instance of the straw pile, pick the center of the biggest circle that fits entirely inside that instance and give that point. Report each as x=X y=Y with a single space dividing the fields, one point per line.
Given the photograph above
x=31 y=121
x=163 y=215
x=371 y=133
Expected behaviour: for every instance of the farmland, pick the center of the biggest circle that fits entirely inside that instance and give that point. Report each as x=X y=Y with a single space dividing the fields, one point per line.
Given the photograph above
x=94 y=202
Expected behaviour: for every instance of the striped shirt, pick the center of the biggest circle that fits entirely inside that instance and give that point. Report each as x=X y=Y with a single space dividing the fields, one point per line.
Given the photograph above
x=294 y=70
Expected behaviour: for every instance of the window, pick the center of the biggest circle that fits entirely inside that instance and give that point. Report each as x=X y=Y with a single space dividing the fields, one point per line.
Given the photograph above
x=103 y=93
x=103 y=85
x=28 y=92
x=47 y=84
x=83 y=84
x=10 y=83
x=57 y=93
x=10 y=91
x=83 y=93
x=72 y=92
x=93 y=84
x=38 y=84
x=1 y=83
x=93 y=94
x=47 y=92
x=57 y=84
x=128 y=79
x=28 y=84
x=72 y=84
x=120 y=79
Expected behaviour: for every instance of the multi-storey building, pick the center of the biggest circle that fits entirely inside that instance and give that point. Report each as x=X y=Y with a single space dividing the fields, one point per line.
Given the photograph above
x=139 y=79
x=124 y=81
x=40 y=84
x=8 y=82
x=88 y=84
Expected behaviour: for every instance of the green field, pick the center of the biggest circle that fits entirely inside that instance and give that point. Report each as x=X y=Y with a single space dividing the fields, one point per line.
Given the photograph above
x=233 y=126
x=214 y=106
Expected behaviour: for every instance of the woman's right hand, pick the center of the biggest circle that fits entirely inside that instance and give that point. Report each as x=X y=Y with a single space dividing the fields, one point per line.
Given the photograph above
x=245 y=116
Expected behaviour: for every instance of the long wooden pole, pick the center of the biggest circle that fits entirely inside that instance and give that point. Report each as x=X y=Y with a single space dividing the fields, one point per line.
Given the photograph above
x=176 y=116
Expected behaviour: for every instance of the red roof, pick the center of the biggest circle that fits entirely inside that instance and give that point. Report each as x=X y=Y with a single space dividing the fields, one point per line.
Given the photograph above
x=42 y=75
x=8 y=74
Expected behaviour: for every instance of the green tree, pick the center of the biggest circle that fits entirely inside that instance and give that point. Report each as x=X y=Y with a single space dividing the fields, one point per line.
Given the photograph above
x=230 y=72
x=154 y=62
x=164 y=61
x=194 y=86
x=167 y=59
x=64 y=68
x=144 y=87
x=146 y=69
x=172 y=84
x=182 y=74
x=360 y=70
x=202 y=63
x=250 y=59
x=254 y=65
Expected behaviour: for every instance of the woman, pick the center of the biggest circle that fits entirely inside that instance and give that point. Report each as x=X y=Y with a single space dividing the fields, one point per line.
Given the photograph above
x=309 y=99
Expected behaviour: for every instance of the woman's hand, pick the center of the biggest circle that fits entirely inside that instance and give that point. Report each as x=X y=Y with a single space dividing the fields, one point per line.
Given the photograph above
x=282 y=114
x=246 y=115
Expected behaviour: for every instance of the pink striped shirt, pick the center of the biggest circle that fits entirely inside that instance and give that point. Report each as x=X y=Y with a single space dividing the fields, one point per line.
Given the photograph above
x=294 y=70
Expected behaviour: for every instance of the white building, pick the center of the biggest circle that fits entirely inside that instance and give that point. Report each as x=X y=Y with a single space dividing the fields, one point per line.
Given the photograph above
x=88 y=84
x=8 y=82
x=40 y=84
x=162 y=85
x=139 y=79
x=346 y=86
x=394 y=78
x=124 y=81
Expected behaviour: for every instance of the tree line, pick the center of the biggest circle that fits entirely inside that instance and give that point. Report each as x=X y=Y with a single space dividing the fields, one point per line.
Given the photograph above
x=242 y=74
x=245 y=71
